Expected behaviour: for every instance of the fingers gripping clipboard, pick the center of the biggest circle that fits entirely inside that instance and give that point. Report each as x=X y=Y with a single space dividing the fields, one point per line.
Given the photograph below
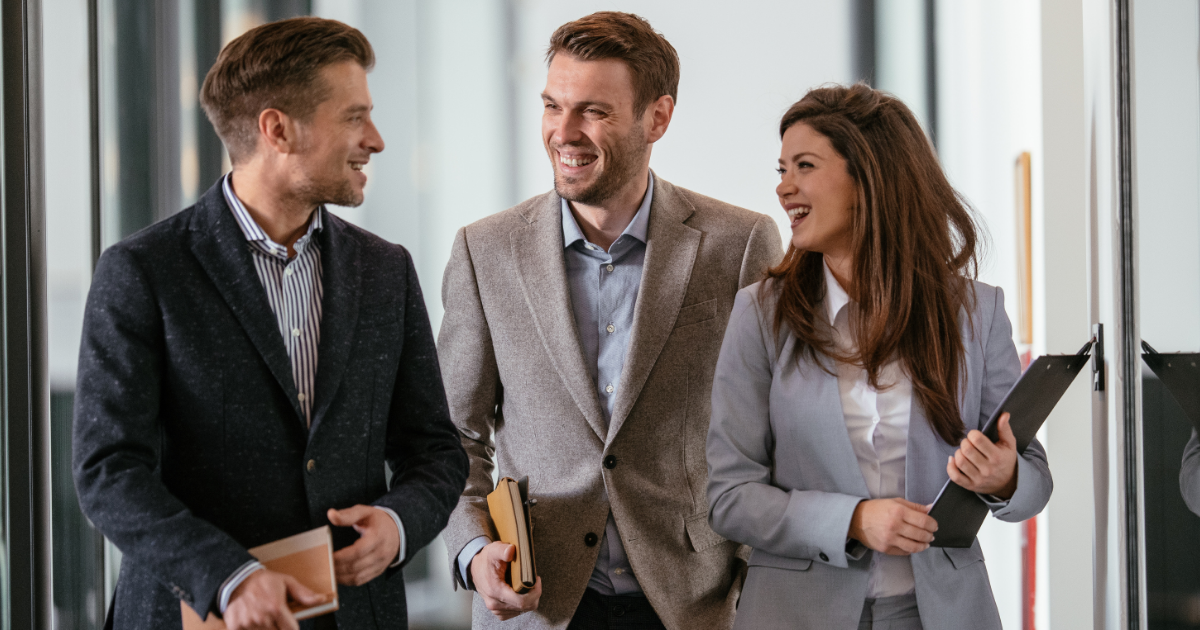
x=960 y=512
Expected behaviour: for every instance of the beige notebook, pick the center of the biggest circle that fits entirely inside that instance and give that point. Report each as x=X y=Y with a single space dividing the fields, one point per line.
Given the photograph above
x=509 y=507
x=308 y=557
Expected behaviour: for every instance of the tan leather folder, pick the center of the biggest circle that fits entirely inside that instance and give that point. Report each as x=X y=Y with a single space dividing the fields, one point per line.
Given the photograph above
x=308 y=557
x=509 y=506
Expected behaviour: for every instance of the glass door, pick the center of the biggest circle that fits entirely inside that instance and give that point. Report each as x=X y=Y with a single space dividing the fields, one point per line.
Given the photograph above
x=1164 y=52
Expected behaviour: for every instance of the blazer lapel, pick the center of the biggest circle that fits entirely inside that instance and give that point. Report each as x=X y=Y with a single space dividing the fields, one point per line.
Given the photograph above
x=342 y=285
x=542 y=270
x=221 y=249
x=671 y=250
x=823 y=403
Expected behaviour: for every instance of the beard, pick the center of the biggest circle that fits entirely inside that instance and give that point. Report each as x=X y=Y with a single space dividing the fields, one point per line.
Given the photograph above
x=623 y=164
x=334 y=191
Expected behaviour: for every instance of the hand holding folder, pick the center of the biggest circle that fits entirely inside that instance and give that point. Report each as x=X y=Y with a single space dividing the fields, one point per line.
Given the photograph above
x=307 y=557
x=960 y=512
x=509 y=507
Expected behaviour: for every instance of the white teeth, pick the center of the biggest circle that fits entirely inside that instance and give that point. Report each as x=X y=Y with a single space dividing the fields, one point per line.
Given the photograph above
x=575 y=161
x=357 y=167
x=798 y=212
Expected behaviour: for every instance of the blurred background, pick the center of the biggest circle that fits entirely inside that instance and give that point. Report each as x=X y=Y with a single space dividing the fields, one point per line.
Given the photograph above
x=456 y=89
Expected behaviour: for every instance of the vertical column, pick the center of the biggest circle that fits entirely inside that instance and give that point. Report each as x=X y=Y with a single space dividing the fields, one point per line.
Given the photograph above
x=25 y=442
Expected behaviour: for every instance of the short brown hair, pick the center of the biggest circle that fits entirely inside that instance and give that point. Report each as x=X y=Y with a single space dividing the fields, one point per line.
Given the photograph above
x=651 y=59
x=916 y=249
x=275 y=66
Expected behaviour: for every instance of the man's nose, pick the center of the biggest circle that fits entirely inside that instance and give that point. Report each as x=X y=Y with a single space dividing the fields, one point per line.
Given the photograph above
x=372 y=141
x=568 y=129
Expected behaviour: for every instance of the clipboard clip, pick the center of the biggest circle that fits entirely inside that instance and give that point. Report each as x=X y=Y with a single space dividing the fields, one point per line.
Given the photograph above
x=1097 y=343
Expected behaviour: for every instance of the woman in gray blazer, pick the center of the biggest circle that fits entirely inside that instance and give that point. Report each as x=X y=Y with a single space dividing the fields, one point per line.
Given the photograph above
x=852 y=383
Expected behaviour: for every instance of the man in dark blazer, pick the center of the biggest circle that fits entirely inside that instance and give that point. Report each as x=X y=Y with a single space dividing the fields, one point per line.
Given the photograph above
x=249 y=365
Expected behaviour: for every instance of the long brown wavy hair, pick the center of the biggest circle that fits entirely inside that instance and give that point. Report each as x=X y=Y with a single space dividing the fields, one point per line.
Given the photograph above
x=914 y=251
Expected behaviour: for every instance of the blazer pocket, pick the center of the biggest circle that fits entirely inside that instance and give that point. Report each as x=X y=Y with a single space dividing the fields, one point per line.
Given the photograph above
x=375 y=315
x=760 y=558
x=700 y=534
x=696 y=313
x=960 y=557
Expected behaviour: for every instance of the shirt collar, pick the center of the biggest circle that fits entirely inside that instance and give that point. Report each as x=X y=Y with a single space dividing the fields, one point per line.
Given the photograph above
x=250 y=228
x=637 y=227
x=836 y=297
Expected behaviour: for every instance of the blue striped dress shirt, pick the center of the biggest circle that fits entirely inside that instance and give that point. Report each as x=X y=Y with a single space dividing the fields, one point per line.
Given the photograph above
x=295 y=293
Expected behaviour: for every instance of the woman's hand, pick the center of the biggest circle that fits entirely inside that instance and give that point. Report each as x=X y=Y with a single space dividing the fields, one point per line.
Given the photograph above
x=892 y=526
x=985 y=467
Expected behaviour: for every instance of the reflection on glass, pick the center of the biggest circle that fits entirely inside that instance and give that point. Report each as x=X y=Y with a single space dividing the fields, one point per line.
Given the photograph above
x=1166 y=135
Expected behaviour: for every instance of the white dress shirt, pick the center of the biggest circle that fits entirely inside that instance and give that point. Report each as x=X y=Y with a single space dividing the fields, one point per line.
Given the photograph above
x=877 y=422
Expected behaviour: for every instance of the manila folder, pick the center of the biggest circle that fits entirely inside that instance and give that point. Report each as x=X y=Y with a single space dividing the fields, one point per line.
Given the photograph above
x=308 y=557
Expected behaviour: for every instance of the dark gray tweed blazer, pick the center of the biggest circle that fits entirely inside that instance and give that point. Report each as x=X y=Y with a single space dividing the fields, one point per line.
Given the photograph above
x=189 y=445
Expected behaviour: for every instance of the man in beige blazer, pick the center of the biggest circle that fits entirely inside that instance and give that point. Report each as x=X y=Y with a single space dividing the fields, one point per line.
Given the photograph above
x=580 y=336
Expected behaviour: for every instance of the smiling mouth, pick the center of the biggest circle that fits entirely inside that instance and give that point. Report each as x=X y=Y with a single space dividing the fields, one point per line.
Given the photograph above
x=576 y=162
x=357 y=166
x=796 y=213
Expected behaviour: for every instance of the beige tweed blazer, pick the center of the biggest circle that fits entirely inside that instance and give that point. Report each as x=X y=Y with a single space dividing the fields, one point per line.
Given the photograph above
x=523 y=401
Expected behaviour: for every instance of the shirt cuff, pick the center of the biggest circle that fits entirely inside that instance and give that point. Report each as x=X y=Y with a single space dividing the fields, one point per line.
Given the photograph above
x=232 y=582
x=993 y=502
x=466 y=555
x=400 y=530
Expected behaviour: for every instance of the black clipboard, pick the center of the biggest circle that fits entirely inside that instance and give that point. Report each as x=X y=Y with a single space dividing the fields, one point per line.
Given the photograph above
x=960 y=512
x=1180 y=374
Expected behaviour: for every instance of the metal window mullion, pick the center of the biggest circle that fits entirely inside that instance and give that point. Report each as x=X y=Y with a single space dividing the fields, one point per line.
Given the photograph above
x=22 y=278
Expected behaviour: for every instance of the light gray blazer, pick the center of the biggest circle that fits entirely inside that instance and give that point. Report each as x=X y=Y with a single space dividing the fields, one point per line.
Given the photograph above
x=783 y=477
x=523 y=401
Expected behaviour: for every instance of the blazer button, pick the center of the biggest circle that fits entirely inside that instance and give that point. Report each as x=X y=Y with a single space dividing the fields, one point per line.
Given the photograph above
x=610 y=462
x=312 y=465
x=590 y=539
x=824 y=558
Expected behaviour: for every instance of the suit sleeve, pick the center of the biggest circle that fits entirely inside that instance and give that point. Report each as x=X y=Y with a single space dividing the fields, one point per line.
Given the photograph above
x=745 y=506
x=116 y=441
x=423 y=450
x=474 y=392
x=764 y=249
x=1002 y=368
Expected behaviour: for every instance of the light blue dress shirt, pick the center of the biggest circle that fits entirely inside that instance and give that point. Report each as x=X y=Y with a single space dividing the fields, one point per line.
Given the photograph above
x=604 y=291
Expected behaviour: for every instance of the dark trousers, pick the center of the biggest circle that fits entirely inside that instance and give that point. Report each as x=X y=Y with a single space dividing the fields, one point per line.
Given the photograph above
x=615 y=612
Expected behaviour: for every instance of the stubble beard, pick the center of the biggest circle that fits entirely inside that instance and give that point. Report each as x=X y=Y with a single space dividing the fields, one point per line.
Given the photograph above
x=338 y=192
x=624 y=162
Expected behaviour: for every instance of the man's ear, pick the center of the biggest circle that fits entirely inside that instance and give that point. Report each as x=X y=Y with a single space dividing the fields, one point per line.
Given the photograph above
x=277 y=130
x=659 y=114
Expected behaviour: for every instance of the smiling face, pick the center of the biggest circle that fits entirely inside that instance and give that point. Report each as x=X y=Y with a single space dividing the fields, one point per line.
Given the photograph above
x=596 y=142
x=817 y=192
x=337 y=141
